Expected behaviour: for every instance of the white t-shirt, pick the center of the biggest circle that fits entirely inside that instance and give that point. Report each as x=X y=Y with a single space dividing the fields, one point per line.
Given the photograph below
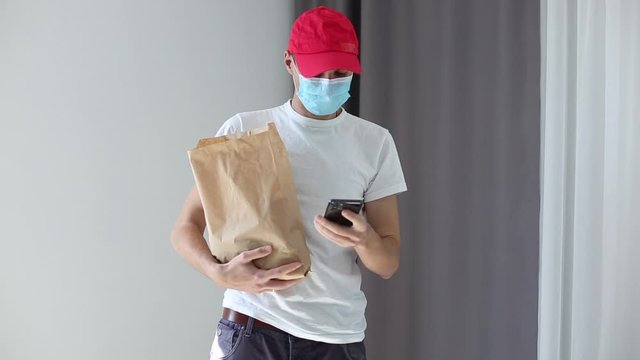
x=342 y=158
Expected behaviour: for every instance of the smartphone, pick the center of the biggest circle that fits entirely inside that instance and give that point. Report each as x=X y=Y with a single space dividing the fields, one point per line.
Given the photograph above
x=335 y=207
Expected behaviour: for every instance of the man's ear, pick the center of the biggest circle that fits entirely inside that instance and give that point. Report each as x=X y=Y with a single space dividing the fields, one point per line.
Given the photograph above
x=288 y=62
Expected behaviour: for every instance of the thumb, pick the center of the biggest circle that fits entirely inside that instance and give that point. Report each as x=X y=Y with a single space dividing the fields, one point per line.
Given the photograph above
x=349 y=215
x=250 y=255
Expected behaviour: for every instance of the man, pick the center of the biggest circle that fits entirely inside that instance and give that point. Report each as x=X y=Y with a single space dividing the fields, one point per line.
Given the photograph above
x=333 y=155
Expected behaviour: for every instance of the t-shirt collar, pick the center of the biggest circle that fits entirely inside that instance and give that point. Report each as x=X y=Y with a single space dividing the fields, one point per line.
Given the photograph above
x=314 y=122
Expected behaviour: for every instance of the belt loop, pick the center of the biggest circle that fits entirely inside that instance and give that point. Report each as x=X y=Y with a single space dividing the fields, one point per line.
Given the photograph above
x=249 y=327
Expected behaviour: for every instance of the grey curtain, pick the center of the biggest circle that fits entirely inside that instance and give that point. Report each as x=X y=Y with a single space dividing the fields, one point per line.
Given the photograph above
x=457 y=84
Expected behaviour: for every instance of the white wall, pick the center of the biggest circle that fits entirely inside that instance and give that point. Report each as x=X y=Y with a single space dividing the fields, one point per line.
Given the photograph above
x=99 y=102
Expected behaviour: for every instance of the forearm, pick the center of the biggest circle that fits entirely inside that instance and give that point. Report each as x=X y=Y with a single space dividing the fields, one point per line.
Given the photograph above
x=189 y=243
x=380 y=254
x=240 y=273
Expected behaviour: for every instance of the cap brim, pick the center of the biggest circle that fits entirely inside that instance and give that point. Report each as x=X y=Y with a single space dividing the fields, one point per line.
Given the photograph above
x=311 y=65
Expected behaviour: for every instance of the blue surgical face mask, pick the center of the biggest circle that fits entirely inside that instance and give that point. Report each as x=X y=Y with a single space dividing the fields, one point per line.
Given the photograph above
x=323 y=96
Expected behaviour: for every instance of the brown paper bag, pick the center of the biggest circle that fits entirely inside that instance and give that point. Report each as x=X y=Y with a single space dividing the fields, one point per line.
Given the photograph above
x=249 y=199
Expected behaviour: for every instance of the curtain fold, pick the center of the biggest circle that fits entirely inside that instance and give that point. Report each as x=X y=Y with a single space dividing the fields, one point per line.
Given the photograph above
x=589 y=283
x=457 y=83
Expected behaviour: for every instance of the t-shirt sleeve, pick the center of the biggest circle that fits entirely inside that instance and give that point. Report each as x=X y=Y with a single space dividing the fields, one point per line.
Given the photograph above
x=232 y=125
x=389 y=178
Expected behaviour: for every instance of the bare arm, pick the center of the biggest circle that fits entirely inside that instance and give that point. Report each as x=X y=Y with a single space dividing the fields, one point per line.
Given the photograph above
x=375 y=238
x=239 y=273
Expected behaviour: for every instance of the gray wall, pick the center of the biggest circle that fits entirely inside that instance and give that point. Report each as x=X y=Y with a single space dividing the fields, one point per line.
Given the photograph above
x=99 y=102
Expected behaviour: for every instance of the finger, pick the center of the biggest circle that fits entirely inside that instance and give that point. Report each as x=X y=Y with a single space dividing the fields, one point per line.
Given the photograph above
x=250 y=255
x=338 y=229
x=359 y=221
x=356 y=219
x=336 y=238
x=282 y=270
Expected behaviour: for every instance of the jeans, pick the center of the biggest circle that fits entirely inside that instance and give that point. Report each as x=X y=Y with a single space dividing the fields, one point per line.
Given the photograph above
x=239 y=342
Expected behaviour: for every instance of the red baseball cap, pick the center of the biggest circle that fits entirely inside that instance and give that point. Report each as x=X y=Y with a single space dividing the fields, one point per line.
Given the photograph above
x=324 y=39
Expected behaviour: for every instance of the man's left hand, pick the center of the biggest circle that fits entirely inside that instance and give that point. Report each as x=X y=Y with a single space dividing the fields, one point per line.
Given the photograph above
x=358 y=235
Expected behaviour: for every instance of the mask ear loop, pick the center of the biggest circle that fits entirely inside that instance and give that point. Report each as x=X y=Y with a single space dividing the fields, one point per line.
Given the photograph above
x=295 y=63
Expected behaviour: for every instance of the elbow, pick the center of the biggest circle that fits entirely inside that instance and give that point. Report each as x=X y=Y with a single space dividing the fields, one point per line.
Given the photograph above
x=387 y=276
x=175 y=237
x=389 y=273
x=393 y=263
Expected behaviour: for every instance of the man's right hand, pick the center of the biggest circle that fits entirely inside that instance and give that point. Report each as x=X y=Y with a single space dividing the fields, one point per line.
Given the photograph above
x=241 y=274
